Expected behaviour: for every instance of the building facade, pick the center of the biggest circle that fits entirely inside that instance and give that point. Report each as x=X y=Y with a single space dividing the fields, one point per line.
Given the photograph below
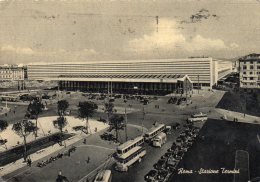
x=12 y=73
x=134 y=84
x=249 y=72
x=144 y=76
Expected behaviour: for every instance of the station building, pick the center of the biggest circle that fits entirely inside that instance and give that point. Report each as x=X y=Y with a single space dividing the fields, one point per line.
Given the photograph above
x=136 y=76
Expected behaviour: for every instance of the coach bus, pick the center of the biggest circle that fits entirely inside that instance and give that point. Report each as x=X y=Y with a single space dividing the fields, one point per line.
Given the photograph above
x=154 y=131
x=125 y=147
x=104 y=176
x=198 y=117
x=129 y=158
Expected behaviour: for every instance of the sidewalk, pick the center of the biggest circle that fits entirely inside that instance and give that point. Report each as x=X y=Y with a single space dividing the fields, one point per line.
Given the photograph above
x=240 y=116
x=4 y=170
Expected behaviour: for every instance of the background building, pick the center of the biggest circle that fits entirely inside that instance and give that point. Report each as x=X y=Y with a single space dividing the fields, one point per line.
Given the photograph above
x=200 y=71
x=12 y=73
x=249 y=72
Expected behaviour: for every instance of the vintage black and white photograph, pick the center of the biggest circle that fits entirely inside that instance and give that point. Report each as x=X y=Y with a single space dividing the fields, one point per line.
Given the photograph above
x=129 y=90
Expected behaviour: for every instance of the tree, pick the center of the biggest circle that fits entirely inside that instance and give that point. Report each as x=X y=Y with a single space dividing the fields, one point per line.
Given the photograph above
x=23 y=129
x=34 y=109
x=62 y=107
x=109 y=109
x=3 y=126
x=117 y=123
x=86 y=110
x=60 y=123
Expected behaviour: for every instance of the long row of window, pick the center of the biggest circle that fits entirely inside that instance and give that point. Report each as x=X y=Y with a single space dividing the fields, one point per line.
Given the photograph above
x=251 y=67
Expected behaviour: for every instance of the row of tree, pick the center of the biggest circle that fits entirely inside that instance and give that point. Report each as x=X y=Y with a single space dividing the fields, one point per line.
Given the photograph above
x=86 y=109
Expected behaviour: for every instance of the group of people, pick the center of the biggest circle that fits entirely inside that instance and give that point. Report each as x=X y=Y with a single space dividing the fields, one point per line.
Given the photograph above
x=29 y=162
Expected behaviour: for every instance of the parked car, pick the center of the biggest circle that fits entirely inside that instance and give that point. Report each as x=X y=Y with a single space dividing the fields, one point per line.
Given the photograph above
x=162 y=175
x=67 y=112
x=160 y=164
x=171 y=163
x=150 y=176
x=176 y=126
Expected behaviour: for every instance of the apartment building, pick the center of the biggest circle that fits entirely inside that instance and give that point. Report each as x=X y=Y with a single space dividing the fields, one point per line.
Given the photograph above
x=249 y=72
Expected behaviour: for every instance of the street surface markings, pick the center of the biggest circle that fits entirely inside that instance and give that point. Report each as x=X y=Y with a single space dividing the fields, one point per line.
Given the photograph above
x=97 y=146
x=103 y=164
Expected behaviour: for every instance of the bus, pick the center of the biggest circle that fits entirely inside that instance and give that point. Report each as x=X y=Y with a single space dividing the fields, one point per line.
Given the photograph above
x=159 y=140
x=129 y=158
x=103 y=176
x=198 y=117
x=9 y=98
x=125 y=147
x=154 y=131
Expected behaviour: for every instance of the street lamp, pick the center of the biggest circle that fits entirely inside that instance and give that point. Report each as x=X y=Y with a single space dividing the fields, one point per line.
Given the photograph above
x=126 y=137
x=143 y=120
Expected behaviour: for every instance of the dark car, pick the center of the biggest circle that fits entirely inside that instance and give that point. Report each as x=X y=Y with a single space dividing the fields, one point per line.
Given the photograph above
x=171 y=163
x=179 y=139
x=161 y=176
x=160 y=164
x=150 y=176
x=176 y=126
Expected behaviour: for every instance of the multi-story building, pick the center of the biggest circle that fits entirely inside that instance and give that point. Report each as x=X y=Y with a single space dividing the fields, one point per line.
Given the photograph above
x=137 y=73
x=12 y=73
x=249 y=72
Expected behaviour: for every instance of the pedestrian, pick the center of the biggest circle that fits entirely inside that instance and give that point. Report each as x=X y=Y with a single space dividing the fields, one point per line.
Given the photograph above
x=30 y=162
x=88 y=159
x=244 y=115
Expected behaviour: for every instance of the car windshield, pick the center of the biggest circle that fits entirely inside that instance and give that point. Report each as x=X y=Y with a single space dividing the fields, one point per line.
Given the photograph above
x=160 y=162
x=152 y=173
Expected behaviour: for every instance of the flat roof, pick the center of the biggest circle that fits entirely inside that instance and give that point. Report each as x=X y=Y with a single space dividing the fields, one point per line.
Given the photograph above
x=154 y=128
x=158 y=78
x=140 y=76
x=129 y=142
x=127 y=154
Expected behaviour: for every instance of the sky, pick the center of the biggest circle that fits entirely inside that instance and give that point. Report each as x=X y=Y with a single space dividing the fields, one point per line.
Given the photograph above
x=82 y=30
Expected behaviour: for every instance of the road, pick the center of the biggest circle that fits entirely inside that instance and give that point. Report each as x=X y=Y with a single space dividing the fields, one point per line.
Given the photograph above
x=75 y=167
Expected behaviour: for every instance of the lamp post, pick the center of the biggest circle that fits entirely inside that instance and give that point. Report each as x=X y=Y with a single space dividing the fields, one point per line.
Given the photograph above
x=126 y=136
x=143 y=120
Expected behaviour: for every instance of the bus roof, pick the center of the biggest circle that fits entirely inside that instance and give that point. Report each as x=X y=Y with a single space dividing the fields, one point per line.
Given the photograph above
x=130 y=152
x=162 y=134
x=103 y=175
x=199 y=114
x=129 y=142
x=151 y=130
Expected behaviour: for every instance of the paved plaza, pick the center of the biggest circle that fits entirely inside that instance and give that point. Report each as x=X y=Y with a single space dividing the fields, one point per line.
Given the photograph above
x=76 y=167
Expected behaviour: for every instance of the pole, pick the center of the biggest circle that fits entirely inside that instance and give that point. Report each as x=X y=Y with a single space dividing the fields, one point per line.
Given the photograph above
x=111 y=89
x=157 y=22
x=198 y=83
x=108 y=88
x=186 y=87
x=143 y=121
x=126 y=136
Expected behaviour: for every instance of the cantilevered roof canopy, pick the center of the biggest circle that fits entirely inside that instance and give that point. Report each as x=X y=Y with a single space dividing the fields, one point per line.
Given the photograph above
x=163 y=78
